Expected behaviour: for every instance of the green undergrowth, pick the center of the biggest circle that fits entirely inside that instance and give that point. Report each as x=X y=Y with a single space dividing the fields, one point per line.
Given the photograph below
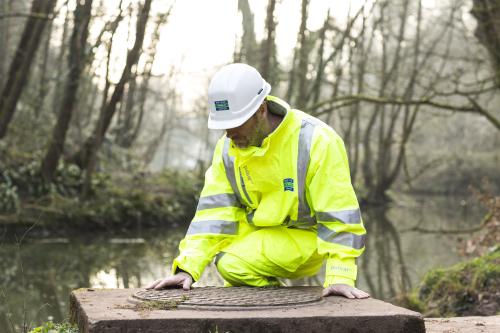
x=119 y=199
x=471 y=288
x=50 y=327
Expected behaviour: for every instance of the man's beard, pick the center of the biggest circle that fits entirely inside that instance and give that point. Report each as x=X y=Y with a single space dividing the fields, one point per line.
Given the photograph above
x=257 y=137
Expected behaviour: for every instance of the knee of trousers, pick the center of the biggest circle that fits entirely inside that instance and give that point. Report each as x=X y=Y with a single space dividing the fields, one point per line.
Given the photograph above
x=239 y=273
x=231 y=268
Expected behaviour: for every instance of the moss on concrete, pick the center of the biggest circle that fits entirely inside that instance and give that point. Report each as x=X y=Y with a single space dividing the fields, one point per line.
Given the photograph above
x=160 y=305
x=146 y=306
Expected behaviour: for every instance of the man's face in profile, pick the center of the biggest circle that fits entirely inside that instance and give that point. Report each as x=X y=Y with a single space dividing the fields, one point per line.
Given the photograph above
x=251 y=132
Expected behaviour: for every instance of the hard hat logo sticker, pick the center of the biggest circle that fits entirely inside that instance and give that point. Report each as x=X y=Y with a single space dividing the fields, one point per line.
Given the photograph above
x=222 y=105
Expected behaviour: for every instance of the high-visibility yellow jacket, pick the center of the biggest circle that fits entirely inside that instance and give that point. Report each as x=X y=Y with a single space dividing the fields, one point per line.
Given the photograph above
x=298 y=178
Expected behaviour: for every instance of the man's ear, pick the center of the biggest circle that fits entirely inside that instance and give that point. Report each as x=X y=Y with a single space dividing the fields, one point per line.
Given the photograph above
x=262 y=109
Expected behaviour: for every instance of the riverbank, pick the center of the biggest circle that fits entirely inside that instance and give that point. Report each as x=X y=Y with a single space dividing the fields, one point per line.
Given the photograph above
x=468 y=288
x=56 y=264
x=119 y=201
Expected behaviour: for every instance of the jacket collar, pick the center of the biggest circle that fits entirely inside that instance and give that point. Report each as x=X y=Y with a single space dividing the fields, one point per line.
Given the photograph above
x=276 y=106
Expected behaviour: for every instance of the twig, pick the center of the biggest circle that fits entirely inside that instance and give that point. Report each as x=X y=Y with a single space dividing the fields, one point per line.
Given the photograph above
x=394 y=101
x=485 y=113
x=27 y=15
x=442 y=231
x=451 y=231
x=474 y=108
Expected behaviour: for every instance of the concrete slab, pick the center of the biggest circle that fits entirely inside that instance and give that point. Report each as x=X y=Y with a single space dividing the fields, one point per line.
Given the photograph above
x=114 y=311
x=463 y=325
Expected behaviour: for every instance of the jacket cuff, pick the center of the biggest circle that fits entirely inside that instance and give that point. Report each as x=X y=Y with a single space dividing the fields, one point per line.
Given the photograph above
x=329 y=280
x=340 y=271
x=180 y=264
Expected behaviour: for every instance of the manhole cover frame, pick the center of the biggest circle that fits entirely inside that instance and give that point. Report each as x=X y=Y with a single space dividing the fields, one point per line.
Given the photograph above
x=193 y=299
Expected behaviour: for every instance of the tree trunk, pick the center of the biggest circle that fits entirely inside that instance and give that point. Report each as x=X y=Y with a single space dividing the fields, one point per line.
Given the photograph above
x=129 y=128
x=81 y=157
x=248 y=49
x=5 y=7
x=487 y=14
x=268 y=63
x=303 y=61
x=60 y=60
x=21 y=63
x=300 y=61
x=95 y=141
x=43 y=86
x=76 y=63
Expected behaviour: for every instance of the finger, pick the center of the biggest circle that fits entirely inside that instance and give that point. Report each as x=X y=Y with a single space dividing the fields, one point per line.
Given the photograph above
x=334 y=291
x=187 y=283
x=167 y=282
x=359 y=293
x=153 y=284
x=348 y=294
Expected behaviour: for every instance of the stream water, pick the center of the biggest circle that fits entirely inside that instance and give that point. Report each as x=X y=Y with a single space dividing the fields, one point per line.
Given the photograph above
x=37 y=271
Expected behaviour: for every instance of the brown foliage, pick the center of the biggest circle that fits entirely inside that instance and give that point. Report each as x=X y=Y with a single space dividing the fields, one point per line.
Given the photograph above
x=488 y=237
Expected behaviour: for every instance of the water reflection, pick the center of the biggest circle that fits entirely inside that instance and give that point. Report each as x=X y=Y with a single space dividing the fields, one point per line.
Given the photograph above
x=38 y=275
x=382 y=265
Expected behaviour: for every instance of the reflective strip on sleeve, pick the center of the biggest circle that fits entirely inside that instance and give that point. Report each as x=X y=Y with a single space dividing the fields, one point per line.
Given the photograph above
x=213 y=227
x=229 y=166
x=217 y=201
x=250 y=217
x=349 y=216
x=244 y=188
x=342 y=238
x=305 y=141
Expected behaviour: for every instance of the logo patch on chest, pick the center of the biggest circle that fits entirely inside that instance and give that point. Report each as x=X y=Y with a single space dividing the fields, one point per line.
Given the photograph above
x=288 y=184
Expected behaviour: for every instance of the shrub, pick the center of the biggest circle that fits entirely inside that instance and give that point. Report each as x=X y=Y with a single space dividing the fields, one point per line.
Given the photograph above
x=466 y=289
x=50 y=327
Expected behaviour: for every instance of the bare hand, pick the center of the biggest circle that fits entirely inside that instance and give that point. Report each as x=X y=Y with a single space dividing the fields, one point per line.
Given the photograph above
x=180 y=280
x=344 y=290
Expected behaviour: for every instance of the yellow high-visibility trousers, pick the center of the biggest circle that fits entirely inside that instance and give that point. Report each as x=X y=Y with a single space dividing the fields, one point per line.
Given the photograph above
x=260 y=257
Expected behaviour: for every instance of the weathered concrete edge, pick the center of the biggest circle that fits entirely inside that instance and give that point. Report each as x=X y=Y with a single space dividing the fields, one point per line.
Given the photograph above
x=77 y=315
x=406 y=324
x=217 y=321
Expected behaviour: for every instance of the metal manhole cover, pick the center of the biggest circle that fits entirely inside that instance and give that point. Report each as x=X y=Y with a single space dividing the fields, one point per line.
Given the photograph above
x=217 y=298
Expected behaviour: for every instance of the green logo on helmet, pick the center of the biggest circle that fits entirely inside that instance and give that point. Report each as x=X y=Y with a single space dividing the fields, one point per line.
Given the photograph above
x=222 y=105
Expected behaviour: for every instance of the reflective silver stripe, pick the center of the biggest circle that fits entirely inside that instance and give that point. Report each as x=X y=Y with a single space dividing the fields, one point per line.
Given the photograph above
x=349 y=216
x=218 y=256
x=229 y=166
x=244 y=188
x=304 y=222
x=213 y=227
x=217 y=200
x=303 y=157
x=250 y=217
x=342 y=238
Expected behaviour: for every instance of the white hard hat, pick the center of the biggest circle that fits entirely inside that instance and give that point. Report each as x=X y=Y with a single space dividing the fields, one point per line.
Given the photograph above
x=234 y=95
